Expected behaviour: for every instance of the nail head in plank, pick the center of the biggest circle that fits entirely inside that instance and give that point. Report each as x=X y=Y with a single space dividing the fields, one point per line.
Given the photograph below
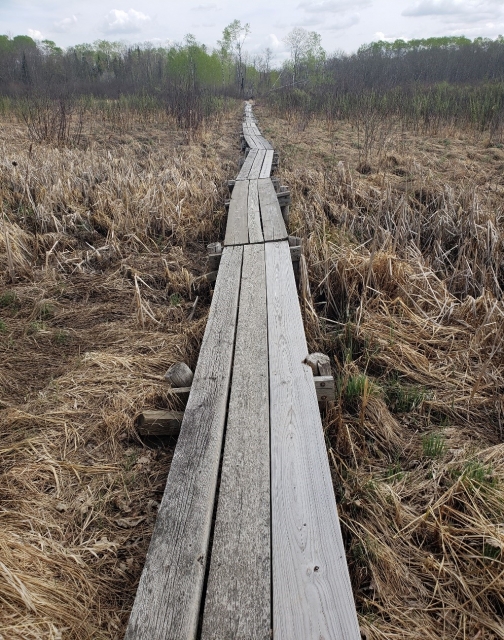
x=238 y=596
x=168 y=599
x=271 y=215
x=325 y=388
x=237 y=222
x=312 y=595
x=254 y=218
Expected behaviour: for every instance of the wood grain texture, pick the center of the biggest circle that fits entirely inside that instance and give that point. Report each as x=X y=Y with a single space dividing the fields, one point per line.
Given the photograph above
x=167 y=603
x=254 y=217
x=256 y=167
x=238 y=597
x=265 y=143
x=271 y=215
x=267 y=164
x=247 y=165
x=253 y=141
x=312 y=595
x=237 y=222
x=159 y=422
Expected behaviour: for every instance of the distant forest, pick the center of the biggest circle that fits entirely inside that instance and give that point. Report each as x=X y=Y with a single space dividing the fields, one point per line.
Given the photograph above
x=423 y=80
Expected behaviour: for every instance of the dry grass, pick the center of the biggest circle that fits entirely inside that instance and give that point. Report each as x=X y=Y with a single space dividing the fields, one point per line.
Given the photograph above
x=405 y=270
x=101 y=251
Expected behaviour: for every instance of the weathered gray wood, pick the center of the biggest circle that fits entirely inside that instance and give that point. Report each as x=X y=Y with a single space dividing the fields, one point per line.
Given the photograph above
x=254 y=217
x=325 y=388
x=238 y=597
x=214 y=261
x=180 y=396
x=267 y=164
x=214 y=247
x=179 y=375
x=247 y=165
x=271 y=216
x=159 y=422
x=320 y=363
x=312 y=595
x=265 y=143
x=253 y=141
x=237 y=222
x=284 y=196
x=255 y=170
x=296 y=253
x=168 y=599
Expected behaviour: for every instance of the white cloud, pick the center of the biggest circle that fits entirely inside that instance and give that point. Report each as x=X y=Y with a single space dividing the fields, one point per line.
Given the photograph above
x=118 y=21
x=35 y=34
x=274 y=42
x=379 y=36
x=332 y=6
x=64 y=25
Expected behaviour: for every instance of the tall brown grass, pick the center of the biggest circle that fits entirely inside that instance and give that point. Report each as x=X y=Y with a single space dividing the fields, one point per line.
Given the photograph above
x=102 y=248
x=405 y=273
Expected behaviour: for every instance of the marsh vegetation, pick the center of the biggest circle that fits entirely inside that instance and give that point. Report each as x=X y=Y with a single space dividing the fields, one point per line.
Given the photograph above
x=112 y=183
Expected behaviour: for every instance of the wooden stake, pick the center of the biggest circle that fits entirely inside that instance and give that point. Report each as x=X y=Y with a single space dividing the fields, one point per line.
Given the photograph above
x=159 y=423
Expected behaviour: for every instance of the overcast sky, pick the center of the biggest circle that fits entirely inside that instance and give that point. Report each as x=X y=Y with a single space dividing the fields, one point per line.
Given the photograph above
x=343 y=24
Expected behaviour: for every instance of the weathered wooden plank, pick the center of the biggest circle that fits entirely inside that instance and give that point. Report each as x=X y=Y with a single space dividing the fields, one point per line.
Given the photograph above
x=256 y=167
x=265 y=143
x=312 y=595
x=254 y=217
x=238 y=597
x=167 y=603
x=255 y=129
x=254 y=142
x=247 y=165
x=237 y=222
x=271 y=215
x=267 y=164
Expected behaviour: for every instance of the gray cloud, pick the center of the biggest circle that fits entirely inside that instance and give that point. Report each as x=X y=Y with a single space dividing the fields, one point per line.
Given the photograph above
x=452 y=8
x=333 y=6
x=205 y=7
x=119 y=21
x=308 y=22
x=345 y=23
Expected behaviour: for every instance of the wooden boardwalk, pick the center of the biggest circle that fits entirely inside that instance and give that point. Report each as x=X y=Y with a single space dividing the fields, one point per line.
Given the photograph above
x=247 y=542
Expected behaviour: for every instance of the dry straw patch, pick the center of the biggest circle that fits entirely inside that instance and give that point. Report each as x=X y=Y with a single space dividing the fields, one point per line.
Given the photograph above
x=405 y=273
x=101 y=255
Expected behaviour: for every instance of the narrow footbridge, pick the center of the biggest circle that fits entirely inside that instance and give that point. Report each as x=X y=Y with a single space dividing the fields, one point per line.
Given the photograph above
x=247 y=542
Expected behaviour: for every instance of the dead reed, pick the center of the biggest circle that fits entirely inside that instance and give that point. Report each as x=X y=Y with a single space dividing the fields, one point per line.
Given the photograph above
x=405 y=271
x=102 y=247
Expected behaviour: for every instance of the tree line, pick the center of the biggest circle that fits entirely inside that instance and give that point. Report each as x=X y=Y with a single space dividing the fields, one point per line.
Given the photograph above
x=422 y=79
